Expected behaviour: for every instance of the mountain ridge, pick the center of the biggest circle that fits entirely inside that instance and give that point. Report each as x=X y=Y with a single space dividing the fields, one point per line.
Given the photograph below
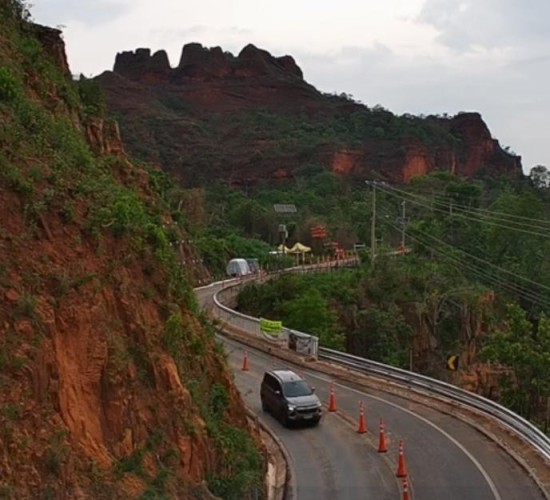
x=236 y=111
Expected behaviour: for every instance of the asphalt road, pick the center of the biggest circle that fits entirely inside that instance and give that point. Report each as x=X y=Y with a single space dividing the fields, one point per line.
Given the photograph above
x=445 y=458
x=329 y=461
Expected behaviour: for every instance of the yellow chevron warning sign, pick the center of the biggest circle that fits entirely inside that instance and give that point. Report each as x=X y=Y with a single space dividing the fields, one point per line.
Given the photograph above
x=452 y=362
x=270 y=326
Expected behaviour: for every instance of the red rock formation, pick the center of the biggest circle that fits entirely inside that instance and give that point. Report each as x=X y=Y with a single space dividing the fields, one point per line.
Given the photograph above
x=482 y=150
x=198 y=61
x=141 y=65
x=95 y=402
x=417 y=162
x=52 y=42
x=210 y=83
x=104 y=136
x=346 y=161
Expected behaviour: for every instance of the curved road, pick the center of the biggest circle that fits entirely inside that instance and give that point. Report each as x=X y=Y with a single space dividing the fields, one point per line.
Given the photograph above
x=329 y=461
x=445 y=457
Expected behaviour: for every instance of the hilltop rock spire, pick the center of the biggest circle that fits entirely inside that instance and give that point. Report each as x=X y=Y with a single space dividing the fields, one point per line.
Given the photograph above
x=142 y=65
x=199 y=62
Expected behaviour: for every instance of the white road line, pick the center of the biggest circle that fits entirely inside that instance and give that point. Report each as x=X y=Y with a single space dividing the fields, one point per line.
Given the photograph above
x=479 y=467
x=485 y=475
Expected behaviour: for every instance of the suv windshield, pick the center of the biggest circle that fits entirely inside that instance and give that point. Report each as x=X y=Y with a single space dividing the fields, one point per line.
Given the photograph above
x=296 y=389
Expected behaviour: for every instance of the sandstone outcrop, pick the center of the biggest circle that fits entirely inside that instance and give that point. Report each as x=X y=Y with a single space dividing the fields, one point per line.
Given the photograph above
x=198 y=62
x=53 y=44
x=216 y=115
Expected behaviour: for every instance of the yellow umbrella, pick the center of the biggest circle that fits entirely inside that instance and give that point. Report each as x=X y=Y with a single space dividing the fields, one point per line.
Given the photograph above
x=283 y=248
x=299 y=248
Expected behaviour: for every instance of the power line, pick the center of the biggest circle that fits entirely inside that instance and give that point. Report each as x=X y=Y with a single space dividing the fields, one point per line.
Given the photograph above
x=486 y=262
x=470 y=218
x=486 y=275
x=489 y=213
x=481 y=272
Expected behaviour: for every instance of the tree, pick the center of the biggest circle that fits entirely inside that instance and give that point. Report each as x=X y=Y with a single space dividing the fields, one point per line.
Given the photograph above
x=311 y=313
x=524 y=348
x=539 y=177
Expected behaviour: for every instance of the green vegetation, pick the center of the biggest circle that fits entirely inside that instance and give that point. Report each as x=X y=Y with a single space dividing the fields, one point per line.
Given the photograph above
x=476 y=280
x=525 y=349
x=125 y=223
x=240 y=461
x=92 y=98
x=303 y=134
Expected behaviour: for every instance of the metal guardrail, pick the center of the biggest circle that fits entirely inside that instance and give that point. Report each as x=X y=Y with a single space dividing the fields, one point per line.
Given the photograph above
x=251 y=324
x=513 y=421
x=529 y=432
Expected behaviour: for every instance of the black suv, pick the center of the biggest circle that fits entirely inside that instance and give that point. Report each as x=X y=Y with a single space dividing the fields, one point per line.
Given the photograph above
x=288 y=397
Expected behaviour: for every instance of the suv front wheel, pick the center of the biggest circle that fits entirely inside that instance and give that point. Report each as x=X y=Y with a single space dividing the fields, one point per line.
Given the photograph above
x=284 y=418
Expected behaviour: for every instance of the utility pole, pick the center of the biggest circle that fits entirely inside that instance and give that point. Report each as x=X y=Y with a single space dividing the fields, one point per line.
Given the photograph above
x=373 y=224
x=403 y=224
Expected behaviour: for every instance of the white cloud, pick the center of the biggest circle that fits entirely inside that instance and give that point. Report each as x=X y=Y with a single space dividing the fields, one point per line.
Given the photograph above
x=487 y=23
x=54 y=12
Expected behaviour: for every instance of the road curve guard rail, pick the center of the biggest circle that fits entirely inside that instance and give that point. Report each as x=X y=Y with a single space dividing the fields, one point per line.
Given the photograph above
x=302 y=343
x=513 y=421
x=525 y=429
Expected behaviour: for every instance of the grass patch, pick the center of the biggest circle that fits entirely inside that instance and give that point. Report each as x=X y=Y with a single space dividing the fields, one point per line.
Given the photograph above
x=56 y=453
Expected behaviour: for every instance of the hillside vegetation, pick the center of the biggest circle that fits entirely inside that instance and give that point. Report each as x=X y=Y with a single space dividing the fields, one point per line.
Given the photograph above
x=111 y=383
x=474 y=282
x=253 y=117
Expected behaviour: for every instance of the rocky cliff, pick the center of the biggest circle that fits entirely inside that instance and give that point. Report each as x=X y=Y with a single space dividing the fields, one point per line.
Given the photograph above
x=253 y=116
x=111 y=386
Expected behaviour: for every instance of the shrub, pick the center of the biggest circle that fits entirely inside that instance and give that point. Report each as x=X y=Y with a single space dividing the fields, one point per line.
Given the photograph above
x=10 y=87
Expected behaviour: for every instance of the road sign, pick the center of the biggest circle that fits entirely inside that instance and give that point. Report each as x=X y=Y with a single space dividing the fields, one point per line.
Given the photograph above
x=271 y=326
x=285 y=208
x=452 y=362
x=319 y=231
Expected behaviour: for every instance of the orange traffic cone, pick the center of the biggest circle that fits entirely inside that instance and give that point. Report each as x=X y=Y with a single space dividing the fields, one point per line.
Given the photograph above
x=362 y=423
x=401 y=468
x=332 y=399
x=245 y=361
x=382 y=446
x=406 y=490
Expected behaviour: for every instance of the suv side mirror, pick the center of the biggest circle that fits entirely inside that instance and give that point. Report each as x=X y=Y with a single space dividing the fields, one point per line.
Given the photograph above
x=312 y=389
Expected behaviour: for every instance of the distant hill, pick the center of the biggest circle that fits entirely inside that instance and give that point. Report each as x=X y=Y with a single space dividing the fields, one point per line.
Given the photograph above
x=253 y=116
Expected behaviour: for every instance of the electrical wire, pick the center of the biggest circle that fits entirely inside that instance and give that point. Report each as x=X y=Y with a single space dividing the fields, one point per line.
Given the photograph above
x=483 y=273
x=475 y=219
x=489 y=213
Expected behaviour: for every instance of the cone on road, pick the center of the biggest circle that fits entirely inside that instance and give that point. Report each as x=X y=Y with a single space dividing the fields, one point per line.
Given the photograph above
x=382 y=445
x=362 y=422
x=406 y=490
x=401 y=468
x=332 y=399
x=245 y=361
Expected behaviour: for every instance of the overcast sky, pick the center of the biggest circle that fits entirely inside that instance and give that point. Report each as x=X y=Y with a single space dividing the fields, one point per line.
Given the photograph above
x=410 y=56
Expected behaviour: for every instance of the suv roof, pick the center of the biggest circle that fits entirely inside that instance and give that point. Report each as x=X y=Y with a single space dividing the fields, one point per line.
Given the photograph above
x=285 y=375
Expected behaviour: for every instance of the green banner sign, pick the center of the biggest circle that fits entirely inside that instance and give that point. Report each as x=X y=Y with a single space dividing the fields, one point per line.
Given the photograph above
x=270 y=326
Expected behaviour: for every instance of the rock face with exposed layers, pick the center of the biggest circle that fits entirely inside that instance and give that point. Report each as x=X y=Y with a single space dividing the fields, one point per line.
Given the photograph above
x=111 y=385
x=253 y=116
